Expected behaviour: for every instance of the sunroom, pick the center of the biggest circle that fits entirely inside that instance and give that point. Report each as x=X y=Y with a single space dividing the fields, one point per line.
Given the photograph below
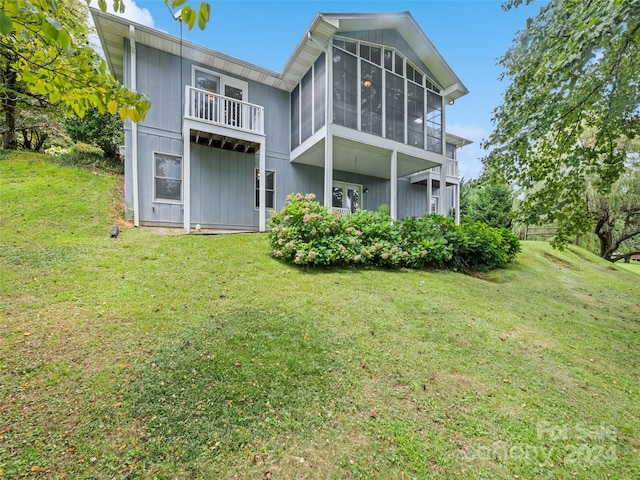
x=370 y=110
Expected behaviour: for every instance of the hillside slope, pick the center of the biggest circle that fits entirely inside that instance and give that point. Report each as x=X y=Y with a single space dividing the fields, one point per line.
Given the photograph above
x=175 y=356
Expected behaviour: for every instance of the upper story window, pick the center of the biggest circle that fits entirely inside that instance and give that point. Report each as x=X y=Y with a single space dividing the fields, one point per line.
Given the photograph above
x=217 y=83
x=378 y=91
x=308 y=103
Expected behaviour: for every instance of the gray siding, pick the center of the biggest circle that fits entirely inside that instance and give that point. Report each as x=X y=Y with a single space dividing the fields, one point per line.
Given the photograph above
x=412 y=199
x=276 y=117
x=150 y=211
x=222 y=181
x=222 y=187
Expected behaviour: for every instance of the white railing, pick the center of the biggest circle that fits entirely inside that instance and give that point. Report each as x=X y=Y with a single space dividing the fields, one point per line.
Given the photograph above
x=225 y=111
x=452 y=168
x=341 y=211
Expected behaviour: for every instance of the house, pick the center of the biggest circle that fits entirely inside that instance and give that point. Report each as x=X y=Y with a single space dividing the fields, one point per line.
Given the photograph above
x=357 y=116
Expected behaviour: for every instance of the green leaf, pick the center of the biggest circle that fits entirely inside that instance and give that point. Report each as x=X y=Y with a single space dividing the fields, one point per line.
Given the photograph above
x=177 y=3
x=41 y=88
x=6 y=25
x=203 y=15
x=112 y=107
x=102 y=4
x=134 y=115
x=188 y=17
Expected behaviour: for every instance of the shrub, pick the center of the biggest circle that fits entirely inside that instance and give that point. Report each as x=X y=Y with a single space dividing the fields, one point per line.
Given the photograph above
x=86 y=155
x=306 y=233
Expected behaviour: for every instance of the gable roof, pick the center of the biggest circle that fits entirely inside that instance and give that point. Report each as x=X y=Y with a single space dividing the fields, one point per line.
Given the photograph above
x=113 y=29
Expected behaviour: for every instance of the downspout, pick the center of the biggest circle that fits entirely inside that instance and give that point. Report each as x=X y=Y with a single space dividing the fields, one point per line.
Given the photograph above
x=134 y=130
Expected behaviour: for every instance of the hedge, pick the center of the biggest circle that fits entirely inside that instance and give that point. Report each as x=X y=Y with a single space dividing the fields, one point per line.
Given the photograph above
x=306 y=233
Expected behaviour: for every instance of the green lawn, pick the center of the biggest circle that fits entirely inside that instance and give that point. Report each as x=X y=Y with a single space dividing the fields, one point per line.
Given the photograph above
x=631 y=266
x=174 y=356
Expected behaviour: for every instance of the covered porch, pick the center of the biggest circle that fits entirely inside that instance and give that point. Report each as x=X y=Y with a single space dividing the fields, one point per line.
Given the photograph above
x=339 y=151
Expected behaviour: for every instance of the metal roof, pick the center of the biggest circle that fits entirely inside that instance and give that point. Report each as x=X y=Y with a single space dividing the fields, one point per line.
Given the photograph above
x=113 y=30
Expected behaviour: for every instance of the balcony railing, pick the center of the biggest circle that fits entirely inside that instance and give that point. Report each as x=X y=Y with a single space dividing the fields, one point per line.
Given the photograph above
x=451 y=166
x=224 y=111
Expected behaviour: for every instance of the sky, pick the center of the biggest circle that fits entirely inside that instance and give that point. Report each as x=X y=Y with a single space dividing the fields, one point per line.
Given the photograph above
x=471 y=35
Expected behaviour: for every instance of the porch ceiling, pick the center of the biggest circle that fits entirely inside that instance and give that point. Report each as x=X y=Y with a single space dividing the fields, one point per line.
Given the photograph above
x=363 y=159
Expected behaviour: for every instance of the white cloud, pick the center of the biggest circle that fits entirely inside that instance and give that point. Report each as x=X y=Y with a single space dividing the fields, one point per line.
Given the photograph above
x=469 y=164
x=132 y=12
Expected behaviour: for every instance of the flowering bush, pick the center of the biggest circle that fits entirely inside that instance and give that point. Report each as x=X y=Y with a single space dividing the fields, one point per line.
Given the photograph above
x=306 y=233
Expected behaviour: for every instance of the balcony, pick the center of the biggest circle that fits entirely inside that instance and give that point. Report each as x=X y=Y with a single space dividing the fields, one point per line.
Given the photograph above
x=451 y=166
x=223 y=122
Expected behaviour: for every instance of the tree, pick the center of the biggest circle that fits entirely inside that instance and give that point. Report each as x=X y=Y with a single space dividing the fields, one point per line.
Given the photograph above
x=616 y=216
x=488 y=199
x=46 y=58
x=574 y=68
x=101 y=129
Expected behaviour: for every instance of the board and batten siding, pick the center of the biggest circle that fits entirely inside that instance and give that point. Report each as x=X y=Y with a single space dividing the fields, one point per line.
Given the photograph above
x=222 y=181
x=412 y=199
x=222 y=187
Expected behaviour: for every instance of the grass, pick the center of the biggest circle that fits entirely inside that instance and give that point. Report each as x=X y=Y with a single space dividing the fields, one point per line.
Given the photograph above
x=173 y=356
x=631 y=266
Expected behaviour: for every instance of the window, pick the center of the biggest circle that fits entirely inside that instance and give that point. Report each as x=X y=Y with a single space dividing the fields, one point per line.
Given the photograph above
x=167 y=178
x=413 y=74
x=308 y=103
x=415 y=115
x=306 y=106
x=346 y=196
x=373 y=54
x=396 y=98
x=371 y=98
x=318 y=92
x=270 y=189
x=434 y=122
x=345 y=84
x=295 y=117
x=206 y=80
x=395 y=107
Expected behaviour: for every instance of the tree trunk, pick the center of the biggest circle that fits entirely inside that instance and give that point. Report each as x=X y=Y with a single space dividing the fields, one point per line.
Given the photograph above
x=9 y=101
x=40 y=142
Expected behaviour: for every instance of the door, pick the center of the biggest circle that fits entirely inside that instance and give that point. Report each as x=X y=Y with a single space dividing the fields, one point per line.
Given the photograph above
x=347 y=196
x=233 y=109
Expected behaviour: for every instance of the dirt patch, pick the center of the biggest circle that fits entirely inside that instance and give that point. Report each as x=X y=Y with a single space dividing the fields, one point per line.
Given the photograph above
x=560 y=262
x=490 y=277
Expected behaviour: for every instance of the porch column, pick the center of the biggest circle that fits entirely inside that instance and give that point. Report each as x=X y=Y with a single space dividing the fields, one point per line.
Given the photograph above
x=394 y=185
x=263 y=188
x=442 y=206
x=457 y=203
x=429 y=193
x=186 y=181
x=328 y=169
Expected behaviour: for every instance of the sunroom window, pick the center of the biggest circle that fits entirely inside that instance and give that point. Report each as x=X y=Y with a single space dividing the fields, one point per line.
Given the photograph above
x=378 y=91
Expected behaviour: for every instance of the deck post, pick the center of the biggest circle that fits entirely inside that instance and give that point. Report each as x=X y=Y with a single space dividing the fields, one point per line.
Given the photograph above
x=328 y=169
x=263 y=187
x=393 y=203
x=186 y=181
